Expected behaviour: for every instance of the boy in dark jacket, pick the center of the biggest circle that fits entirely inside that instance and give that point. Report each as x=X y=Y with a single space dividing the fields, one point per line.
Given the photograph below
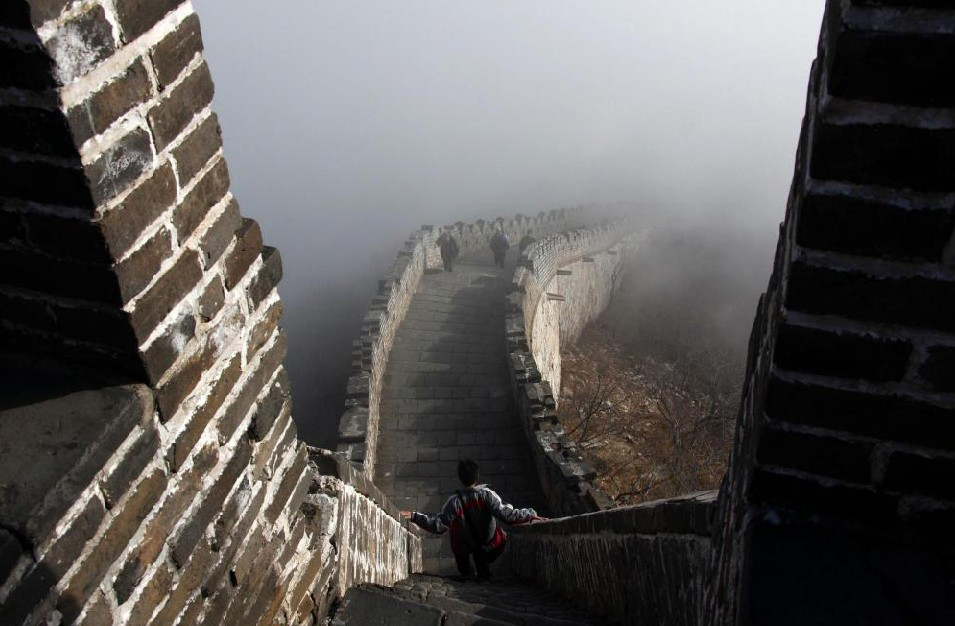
x=470 y=515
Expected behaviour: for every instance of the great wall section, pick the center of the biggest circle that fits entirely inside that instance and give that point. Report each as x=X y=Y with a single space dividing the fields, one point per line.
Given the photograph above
x=149 y=463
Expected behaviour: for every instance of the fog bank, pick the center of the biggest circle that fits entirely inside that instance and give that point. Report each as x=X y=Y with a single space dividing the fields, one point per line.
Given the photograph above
x=348 y=124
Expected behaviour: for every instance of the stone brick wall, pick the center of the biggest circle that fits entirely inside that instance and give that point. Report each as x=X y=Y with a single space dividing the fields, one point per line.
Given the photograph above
x=644 y=564
x=564 y=281
x=124 y=256
x=838 y=505
x=358 y=428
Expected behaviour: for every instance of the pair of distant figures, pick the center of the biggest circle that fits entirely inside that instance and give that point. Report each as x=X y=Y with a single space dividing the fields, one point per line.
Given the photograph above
x=471 y=515
x=499 y=246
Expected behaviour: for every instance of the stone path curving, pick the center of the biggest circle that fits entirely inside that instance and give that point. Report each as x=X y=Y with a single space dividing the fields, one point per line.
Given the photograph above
x=447 y=396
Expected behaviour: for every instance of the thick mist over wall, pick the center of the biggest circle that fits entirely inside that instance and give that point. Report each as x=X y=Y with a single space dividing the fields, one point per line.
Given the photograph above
x=349 y=124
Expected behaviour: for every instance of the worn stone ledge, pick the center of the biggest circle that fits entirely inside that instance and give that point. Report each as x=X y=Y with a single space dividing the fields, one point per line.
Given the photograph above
x=338 y=466
x=691 y=514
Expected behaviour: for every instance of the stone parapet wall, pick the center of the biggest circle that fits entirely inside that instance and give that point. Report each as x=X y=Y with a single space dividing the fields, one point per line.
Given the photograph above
x=358 y=427
x=563 y=281
x=644 y=564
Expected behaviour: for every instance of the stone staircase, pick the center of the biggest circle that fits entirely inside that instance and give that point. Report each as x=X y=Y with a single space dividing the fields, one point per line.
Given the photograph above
x=424 y=600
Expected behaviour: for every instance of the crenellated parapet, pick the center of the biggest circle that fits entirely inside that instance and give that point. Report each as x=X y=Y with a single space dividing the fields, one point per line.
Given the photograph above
x=563 y=281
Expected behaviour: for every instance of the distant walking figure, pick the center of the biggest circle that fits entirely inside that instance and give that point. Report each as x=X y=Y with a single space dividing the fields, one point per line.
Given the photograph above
x=499 y=245
x=470 y=516
x=526 y=240
x=449 y=249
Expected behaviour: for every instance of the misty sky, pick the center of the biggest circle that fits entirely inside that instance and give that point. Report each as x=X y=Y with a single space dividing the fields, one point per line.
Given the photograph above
x=347 y=124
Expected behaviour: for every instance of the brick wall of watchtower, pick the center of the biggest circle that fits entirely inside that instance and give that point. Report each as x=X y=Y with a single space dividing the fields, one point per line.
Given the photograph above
x=839 y=503
x=124 y=251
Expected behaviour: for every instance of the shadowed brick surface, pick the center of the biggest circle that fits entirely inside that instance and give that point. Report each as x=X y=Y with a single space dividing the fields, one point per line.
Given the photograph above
x=447 y=396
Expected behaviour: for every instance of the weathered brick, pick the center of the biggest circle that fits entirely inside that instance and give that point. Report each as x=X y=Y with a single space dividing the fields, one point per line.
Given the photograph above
x=30 y=312
x=195 y=150
x=66 y=548
x=100 y=110
x=855 y=226
x=184 y=443
x=166 y=349
x=916 y=301
x=268 y=276
x=25 y=66
x=124 y=223
x=264 y=457
x=120 y=165
x=270 y=407
x=883 y=416
x=291 y=479
x=843 y=354
x=230 y=515
x=245 y=559
x=10 y=552
x=171 y=393
x=121 y=529
x=36 y=131
x=187 y=538
x=938 y=370
x=247 y=247
x=108 y=327
x=166 y=293
x=176 y=50
x=47 y=183
x=218 y=237
x=23 y=598
x=923 y=474
x=152 y=596
x=193 y=610
x=78 y=239
x=115 y=486
x=263 y=329
x=138 y=16
x=815 y=454
x=822 y=496
x=269 y=361
x=157 y=532
x=212 y=299
x=137 y=270
x=195 y=206
x=81 y=43
x=891 y=156
x=893 y=67
x=227 y=548
x=97 y=612
x=190 y=577
x=48 y=274
x=174 y=112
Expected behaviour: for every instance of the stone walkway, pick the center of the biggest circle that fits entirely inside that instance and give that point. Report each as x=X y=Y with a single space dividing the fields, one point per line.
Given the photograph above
x=447 y=396
x=432 y=601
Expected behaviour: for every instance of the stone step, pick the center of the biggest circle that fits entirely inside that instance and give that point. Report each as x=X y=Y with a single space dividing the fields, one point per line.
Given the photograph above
x=424 y=600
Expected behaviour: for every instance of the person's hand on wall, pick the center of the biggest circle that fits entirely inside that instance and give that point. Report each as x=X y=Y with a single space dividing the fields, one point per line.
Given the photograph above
x=405 y=514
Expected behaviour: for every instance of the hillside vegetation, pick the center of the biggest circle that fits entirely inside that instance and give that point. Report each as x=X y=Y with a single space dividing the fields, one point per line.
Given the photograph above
x=651 y=388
